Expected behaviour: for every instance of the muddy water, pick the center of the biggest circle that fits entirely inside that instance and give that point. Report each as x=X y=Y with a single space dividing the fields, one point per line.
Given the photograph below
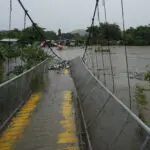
x=138 y=59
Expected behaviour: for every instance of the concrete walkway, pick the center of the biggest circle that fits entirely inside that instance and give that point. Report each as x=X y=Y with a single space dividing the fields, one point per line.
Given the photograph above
x=46 y=121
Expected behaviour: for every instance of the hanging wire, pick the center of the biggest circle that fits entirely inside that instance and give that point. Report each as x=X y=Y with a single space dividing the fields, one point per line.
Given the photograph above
x=91 y=54
x=103 y=63
x=24 y=26
x=25 y=17
x=96 y=57
x=108 y=44
x=9 y=44
x=89 y=35
x=38 y=31
x=126 y=54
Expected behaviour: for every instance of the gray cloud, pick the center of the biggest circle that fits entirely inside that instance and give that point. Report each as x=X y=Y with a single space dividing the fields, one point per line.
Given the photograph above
x=73 y=14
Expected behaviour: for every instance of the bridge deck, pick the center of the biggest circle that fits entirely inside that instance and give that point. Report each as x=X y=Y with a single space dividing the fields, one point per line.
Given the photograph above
x=46 y=121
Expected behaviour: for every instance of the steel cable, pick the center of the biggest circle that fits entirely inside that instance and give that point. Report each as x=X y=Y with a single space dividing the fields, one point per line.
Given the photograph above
x=25 y=17
x=97 y=65
x=126 y=53
x=36 y=28
x=9 y=45
x=89 y=35
x=108 y=40
x=103 y=63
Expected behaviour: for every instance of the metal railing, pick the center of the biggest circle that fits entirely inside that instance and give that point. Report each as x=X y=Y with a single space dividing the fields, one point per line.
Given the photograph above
x=111 y=125
x=17 y=91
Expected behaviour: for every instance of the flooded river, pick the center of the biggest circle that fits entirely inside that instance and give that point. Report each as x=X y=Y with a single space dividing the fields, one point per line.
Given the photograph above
x=138 y=59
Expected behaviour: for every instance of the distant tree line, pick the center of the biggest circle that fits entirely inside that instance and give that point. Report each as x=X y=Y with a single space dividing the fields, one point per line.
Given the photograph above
x=139 y=36
x=30 y=35
x=104 y=33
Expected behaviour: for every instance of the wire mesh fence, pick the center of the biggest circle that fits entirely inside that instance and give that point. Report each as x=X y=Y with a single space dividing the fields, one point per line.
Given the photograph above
x=110 y=124
x=16 y=91
x=99 y=63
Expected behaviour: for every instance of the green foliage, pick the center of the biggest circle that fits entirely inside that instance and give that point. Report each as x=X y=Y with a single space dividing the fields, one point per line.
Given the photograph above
x=101 y=34
x=139 y=36
x=147 y=76
x=9 y=52
x=110 y=31
x=140 y=96
x=15 y=33
x=59 y=32
x=141 y=116
x=50 y=35
x=33 y=56
x=67 y=35
x=2 y=58
x=30 y=35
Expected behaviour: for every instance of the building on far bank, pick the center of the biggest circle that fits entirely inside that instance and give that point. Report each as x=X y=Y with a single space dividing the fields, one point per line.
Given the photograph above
x=12 y=41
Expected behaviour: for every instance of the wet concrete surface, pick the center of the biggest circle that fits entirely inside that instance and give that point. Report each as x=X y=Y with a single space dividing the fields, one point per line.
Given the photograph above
x=44 y=128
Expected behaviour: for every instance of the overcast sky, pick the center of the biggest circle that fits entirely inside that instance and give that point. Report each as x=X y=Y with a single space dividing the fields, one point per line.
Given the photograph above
x=73 y=14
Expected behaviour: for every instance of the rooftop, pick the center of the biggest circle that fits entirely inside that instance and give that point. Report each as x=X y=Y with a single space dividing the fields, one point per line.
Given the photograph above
x=9 y=40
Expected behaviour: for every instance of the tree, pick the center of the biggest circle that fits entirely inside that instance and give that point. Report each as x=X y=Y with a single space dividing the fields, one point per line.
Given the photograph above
x=68 y=36
x=110 y=31
x=147 y=76
x=31 y=35
x=138 y=36
x=59 y=32
x=50 y=35
x=33 y=56
x=94 y=32
x=104 y=32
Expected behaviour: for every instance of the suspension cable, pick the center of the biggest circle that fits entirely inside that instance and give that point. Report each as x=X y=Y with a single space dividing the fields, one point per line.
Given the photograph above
x=103 y=63
x=105 y=12
x=10 y=21
x=89 y=35
x=36 y=28
x=126 y=53
x=96 y=56
x=24 y=26
x=25 y=17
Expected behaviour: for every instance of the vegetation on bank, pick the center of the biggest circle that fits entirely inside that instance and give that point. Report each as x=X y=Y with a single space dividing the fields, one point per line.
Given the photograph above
x=29 y=35
x=139 y=36
x=28 y=47
x=32 y=56
x=141 y=102
x=29 y=55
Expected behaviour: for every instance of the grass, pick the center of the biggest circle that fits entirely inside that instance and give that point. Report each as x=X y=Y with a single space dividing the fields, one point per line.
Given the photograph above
x=140 y=96
x=141 y=101
x=141 y=116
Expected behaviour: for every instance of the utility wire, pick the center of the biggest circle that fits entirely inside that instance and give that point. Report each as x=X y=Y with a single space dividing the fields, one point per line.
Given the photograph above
x=24 y=26
x=105 y=12
x=126 y=53
x=103 y=63
x=89 y=35
x=25 y=17
x=96 y=56
x=36 y=28
x=9 y=47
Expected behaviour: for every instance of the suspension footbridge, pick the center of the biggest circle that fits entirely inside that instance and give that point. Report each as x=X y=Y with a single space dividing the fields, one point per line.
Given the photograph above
x=72 y=99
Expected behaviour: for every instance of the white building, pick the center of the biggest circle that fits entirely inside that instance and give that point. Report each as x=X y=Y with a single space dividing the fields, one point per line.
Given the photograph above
x=12 y=41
